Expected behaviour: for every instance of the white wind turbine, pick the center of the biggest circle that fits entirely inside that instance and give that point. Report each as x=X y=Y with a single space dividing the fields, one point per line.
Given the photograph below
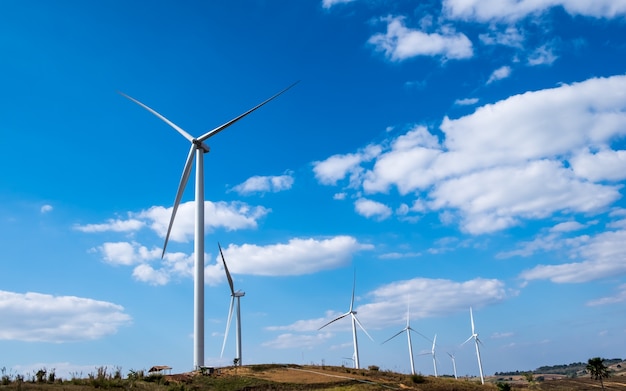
x=234 y=295
x=198 y=149
x=432 y=351
x=408 y=330
x=355 y=321
x=453 y=364
x=476 y=342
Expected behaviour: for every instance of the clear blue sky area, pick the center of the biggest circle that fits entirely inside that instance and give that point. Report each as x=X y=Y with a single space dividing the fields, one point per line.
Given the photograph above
x=449 y=154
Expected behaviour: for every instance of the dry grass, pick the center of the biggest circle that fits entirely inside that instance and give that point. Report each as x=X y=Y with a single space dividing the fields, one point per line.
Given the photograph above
x=322 y=378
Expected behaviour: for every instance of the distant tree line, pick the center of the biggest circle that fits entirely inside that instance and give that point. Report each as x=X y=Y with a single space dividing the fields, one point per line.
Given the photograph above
x=570 y=370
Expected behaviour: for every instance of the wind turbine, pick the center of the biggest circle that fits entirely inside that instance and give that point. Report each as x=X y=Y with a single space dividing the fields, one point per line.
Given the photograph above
x=355 y=321
x=198 y=149
x=432 y=351
x=453 y=364
x=408 y=330
x=233 y=295
x=476 y=342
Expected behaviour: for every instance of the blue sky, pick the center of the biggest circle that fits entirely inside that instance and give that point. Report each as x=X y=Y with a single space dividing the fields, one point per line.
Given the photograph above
x=450 y=153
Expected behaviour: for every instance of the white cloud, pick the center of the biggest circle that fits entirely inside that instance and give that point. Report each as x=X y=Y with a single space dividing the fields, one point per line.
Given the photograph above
x=525 y=157
x=127 y=253
x=37 y=317
x=372 y=209
x=603 y=165
x=512 y=10
x=46 y=208
x=497 y=198
x=601 y=256
x=327 y=4
x=543 y=55
x=228 y=215
x=337 y=167
x=499 y=74
x=265 y=184
x=113 y=225
x=466 y=101
x=400 y=43
x=296 y=257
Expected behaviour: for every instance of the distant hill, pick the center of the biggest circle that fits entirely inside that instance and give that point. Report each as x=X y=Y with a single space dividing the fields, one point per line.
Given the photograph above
x=570 y=370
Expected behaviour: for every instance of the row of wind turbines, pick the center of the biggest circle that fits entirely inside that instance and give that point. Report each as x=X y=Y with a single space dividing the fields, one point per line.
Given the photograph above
x=407 y=329
x=197 y=149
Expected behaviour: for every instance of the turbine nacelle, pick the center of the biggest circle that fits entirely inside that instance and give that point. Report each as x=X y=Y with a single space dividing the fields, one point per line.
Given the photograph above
x=239 y=294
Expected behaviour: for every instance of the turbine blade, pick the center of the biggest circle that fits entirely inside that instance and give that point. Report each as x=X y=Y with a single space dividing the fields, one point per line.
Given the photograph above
x=420 y=334
x=395 y=335
x=230 y=280
x=230 y=317
x=167 y=121
x=179 y=194
x=334 y=320
x=467 y=340
x=232 y=121
x=472 y=320
x=434 y=343
x=362 y=328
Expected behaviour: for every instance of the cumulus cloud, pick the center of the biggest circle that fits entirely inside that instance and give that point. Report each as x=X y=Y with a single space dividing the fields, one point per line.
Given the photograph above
x=265 y=184
x=337 y=167
x=296 y=257
x=526 y=157
x=38 y=317
x=400 y=43
x=372 y=209
x=46 y=208
x=297 y=341
x=227 y=215
x=513 y=10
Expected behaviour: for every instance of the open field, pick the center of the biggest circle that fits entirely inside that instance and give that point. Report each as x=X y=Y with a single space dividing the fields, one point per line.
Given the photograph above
x=295 y=377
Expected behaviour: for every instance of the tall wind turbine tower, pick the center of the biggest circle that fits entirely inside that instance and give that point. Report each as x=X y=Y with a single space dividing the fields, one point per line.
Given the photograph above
x=198 y=149
x=355 y=321
x=476 y=342
x=233 y=295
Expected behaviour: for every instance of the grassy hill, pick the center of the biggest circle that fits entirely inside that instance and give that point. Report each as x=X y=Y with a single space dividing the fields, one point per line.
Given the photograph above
x=281 y=377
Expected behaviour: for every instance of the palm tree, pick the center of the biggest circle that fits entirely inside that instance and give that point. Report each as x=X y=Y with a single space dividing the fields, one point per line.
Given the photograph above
x=597 y=369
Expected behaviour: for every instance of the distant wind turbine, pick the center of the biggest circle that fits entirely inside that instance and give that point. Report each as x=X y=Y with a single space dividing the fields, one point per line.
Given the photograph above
x=198 y=149
x=476 y=342
x=453 y=364
x=233 y=295
x=432 y=351
x=355 y=321
x=408 y=330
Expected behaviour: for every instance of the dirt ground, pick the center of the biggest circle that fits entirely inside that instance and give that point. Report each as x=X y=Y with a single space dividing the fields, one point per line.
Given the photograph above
x=296 y=375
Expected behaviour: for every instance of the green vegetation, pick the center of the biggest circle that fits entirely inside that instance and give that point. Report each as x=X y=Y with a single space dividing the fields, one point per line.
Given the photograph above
x=597 y=370
x=570 y=370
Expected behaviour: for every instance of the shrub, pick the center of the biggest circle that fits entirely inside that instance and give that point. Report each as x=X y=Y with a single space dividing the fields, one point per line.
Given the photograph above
x=418 y=379
x=503 y=386
x=373 y=368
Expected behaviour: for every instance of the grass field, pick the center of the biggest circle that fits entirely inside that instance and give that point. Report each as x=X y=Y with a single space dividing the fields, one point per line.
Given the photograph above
x=296 y=377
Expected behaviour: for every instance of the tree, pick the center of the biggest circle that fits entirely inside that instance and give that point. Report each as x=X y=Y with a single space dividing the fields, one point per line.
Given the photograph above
x=597 y=370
